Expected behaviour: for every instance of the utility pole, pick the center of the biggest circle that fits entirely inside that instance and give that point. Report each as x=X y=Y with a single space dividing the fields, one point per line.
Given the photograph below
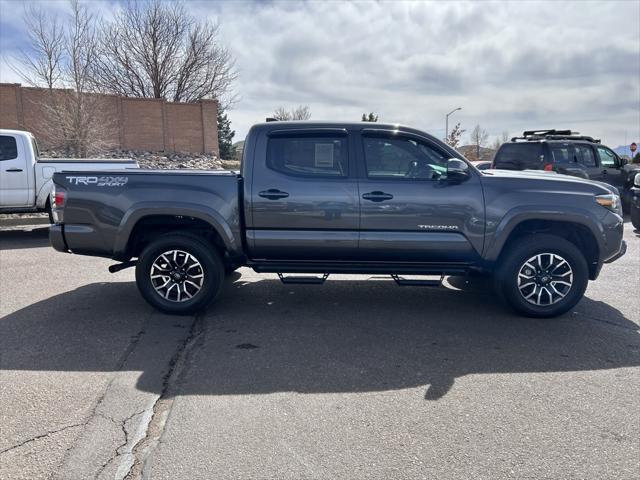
x=446 y=123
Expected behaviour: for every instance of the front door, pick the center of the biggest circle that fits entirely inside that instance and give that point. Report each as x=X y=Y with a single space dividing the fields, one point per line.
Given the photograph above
x=304 y=197
x=611 y=167
x=14 y=179
x=409 y=212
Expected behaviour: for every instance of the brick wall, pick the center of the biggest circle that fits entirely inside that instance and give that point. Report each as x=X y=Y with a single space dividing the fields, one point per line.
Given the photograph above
x=130 y=123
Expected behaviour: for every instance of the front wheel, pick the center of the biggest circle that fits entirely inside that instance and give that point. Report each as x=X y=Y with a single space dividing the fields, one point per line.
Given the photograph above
x=542 y=276
x=179 y=274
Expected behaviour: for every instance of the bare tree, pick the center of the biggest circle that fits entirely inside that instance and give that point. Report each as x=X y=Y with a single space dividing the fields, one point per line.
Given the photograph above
x=42 y=65
x=479 y=138
x=453 y=140
x=500 y=140
x=72 y=118
x=155 y=49
x=301 y=112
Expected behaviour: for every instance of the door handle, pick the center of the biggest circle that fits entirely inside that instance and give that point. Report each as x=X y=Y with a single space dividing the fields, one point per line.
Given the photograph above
x=273 y=194
x=377 y=196
x=13 y=170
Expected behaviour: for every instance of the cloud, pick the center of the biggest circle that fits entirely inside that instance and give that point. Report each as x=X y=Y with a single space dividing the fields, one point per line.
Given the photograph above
x=510 y=65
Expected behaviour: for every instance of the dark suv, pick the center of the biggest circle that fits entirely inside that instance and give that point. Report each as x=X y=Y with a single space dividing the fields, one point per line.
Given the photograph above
x=563 y=151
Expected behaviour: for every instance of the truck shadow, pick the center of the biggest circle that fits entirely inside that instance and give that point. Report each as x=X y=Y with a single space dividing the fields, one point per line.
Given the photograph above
x=345 y=336
x=24 y=238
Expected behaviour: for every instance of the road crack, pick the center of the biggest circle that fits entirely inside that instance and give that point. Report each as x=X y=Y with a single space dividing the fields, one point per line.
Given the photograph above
x=44 y=435
x=162 y=406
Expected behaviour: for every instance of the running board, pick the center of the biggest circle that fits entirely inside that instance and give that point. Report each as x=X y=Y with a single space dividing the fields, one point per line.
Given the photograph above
x=303 y=280
x=404 y=282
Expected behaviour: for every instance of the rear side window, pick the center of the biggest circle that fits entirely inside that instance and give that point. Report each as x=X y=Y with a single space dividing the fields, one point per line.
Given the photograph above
x=519 y=156
x=321 y=156
x=8 y=148
x=561 y=153
x=585 y=156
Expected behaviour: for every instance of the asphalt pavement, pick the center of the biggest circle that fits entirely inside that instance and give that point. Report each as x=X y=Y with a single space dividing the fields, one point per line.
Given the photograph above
x=357 y=378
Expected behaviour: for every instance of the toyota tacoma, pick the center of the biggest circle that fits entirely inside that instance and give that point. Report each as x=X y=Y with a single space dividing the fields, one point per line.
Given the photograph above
x=324 y=198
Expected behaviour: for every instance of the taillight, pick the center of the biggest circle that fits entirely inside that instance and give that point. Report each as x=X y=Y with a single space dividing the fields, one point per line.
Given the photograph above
x=58 y=198
x=548 y=167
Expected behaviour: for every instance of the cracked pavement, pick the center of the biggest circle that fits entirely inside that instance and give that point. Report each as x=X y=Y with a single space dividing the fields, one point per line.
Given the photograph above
x=357 y=378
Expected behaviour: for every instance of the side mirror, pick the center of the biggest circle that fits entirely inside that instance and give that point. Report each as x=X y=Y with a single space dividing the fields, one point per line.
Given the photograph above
x=622 y=161
x=457 y=171
x=636 y=181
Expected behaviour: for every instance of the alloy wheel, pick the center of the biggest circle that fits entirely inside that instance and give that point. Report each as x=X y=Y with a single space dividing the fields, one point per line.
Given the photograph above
x=545 y=279
x=176 y=275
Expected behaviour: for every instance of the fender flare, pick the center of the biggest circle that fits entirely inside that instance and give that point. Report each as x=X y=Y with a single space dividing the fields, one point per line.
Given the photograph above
x=517 y=215
x=151 y=209
x=44 y=193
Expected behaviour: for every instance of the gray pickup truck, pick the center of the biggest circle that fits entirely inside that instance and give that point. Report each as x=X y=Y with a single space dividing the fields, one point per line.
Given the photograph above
x=322 y=198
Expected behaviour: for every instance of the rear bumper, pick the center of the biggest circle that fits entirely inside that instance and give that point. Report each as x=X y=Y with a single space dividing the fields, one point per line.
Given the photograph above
x=56 y=238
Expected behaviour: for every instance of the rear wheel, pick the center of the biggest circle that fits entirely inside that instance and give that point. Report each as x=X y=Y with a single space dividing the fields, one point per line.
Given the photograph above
x=542 y=276
x=179 y=274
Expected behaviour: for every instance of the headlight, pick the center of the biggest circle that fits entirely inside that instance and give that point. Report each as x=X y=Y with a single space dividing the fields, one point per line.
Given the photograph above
x=611 y=202
x=636 y=182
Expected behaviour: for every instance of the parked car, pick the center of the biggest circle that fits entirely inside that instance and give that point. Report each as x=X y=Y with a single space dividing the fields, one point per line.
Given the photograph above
x=565 y=152
x=635 y=202
x=323 y=198
x=25 y=179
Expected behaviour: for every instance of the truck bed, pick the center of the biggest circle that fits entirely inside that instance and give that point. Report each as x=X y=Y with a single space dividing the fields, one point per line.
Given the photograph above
x=107 y=205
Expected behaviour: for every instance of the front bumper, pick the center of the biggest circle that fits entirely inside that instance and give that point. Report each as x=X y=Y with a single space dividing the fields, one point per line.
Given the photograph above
x=621 y=252
x=56 y=238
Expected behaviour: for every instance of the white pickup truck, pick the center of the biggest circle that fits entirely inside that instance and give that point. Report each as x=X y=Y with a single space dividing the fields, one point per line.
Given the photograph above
x=25 y=179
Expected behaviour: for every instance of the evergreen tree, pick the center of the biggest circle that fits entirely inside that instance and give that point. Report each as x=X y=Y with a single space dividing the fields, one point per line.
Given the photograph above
x=371 y=117
x=225 y=136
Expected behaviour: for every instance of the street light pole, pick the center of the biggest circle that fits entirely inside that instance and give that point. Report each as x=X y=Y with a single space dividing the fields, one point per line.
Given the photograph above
x=446 y=128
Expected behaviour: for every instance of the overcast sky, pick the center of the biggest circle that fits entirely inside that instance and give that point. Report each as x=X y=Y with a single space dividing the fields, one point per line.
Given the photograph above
x=511 y=66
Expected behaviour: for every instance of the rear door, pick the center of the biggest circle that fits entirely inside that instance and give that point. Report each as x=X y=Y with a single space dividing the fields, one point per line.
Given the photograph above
x=585 y=155
x=409 y=213
x=304 y=196
x=14 y=173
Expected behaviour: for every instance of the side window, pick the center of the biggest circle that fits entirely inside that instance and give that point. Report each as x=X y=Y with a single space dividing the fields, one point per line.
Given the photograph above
x=519 y=156
x=584 y=155
x=562 y=153
x=607 y=157
x=323 y=156
x=403 y=158
x=8 y=148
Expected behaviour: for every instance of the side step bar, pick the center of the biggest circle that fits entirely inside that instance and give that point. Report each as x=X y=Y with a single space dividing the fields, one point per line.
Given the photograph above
x=303 y=280
x=405 y=282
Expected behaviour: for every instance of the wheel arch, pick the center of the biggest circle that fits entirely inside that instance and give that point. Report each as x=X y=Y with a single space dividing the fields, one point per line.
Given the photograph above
x=142 y=224
x=578 y=229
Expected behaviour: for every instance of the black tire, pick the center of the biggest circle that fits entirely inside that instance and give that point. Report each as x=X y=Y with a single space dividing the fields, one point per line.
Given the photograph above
x=210 y=265
x=47 y=208
x=635 y=216
x=513 y=260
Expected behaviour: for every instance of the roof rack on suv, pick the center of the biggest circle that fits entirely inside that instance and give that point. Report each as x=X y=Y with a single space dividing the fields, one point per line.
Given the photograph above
x=533 y=135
